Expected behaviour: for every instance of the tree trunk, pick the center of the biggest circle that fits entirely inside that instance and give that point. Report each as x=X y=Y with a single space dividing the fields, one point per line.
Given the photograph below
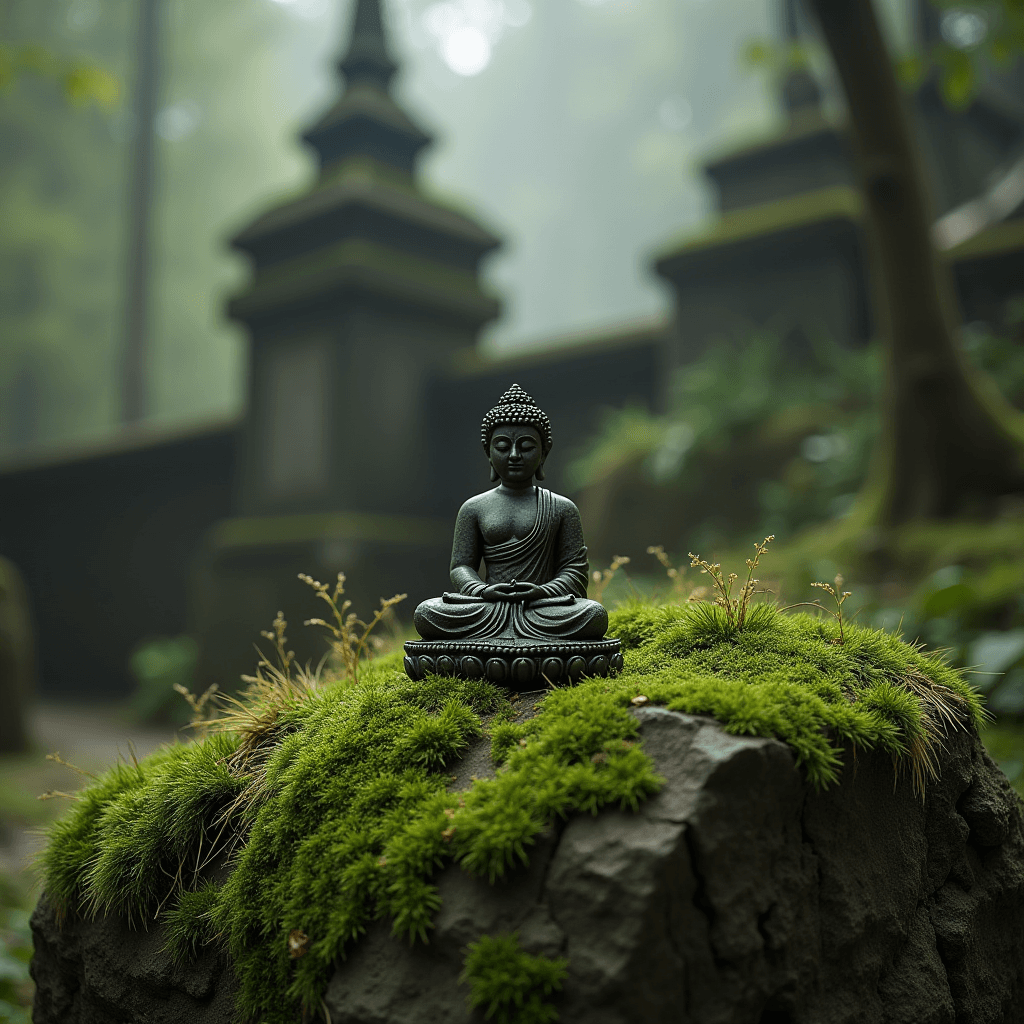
x=950 y=444
x=134 y=360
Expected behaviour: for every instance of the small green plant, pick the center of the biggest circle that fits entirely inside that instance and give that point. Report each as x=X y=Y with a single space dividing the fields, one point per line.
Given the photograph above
x=735 y=607
x=600 y=578
x=349 y=635
x=198 y=703
x=162 y=667
x=513 y=986
x=261 y=715
x=16 y=986
x=839 y=596
x=759 y=435
x=189 y=922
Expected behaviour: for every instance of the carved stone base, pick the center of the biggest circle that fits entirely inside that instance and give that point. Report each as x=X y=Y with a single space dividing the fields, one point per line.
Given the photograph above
x=511 y=664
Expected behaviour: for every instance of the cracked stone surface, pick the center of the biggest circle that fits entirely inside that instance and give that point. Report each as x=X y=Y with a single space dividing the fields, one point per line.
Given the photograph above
x=737 y=895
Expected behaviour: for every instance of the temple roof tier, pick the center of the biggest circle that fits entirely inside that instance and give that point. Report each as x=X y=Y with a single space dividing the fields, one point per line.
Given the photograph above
x=362 y=198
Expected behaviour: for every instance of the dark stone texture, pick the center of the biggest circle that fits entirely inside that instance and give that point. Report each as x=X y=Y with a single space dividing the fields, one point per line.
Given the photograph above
x=737 y=895
x=104 y=972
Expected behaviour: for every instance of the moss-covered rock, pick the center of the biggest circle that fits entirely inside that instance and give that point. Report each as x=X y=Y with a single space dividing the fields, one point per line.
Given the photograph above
x=746 y=863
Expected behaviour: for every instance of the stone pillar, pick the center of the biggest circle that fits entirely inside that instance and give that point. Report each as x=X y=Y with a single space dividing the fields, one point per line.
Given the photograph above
x=362 y=288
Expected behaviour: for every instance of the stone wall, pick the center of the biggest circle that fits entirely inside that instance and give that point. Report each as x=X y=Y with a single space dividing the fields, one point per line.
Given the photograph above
x=105 y=541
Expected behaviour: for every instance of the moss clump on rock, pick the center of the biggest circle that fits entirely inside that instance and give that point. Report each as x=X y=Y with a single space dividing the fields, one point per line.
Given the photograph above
x=511 y=986
x=788 y=676
x=335 y=801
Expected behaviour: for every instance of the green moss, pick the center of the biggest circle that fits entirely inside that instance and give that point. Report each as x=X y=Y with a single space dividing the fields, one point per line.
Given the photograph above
x=189 y=924
x=139 y=829
x=787 y=676
x=344 y=817
x=512 y=985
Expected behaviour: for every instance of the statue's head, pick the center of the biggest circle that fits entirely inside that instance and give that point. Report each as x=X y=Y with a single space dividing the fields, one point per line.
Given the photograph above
x=516 y=429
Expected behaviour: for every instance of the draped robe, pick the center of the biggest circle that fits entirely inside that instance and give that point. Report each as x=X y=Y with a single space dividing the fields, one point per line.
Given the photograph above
x=563 y=613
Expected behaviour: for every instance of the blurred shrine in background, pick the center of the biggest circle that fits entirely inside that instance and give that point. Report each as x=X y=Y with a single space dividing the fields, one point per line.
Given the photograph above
x=366 y=386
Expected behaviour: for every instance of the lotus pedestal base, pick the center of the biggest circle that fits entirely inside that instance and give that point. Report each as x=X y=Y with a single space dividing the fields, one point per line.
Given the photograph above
x=516 y=666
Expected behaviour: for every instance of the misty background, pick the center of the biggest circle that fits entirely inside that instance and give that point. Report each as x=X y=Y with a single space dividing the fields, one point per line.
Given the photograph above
x=575 y=129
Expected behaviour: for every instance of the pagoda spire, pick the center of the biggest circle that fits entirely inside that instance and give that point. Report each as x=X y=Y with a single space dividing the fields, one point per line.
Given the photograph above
x=366 y=121
x=800 y=90
x=368 y=60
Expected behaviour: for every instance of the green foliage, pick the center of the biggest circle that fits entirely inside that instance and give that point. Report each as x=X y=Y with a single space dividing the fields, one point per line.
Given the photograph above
x=142 y=832
x=511 y=984
x=350 y=637
x=63 y=160
x=15 y=952
x=982 y=36
x=337 y=810
x=82 y=81
x=638 y=620
x=1005 y=742
x=61 y=190
x=958 y=76
x=162 y=668
x=759 y=437
x=775 y=58
x=762 y=436
x=189 y=922
x=1001 y=355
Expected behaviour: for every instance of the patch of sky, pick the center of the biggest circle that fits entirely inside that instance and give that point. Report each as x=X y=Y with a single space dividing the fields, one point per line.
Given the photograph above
x=465 y=32
x=309 y=10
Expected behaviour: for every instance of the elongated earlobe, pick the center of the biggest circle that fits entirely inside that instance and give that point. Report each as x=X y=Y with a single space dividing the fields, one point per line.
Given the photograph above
x=494 y=475
x=540 y=472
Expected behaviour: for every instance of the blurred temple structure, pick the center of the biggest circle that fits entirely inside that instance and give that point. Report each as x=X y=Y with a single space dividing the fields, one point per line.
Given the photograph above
x=366 y=385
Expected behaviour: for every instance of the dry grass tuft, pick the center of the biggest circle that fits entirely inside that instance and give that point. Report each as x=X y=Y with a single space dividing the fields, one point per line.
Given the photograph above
x=677 y=577
x=601 y=578
x=943 y=711
x=350 y=637
x=735 y=607
x=838 y=595
x=265 y=712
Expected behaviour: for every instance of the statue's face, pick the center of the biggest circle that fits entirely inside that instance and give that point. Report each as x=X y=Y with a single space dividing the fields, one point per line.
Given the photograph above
x=515 y=454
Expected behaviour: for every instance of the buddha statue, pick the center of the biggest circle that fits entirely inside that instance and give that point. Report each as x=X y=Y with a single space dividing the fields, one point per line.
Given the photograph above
x=530 y=618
